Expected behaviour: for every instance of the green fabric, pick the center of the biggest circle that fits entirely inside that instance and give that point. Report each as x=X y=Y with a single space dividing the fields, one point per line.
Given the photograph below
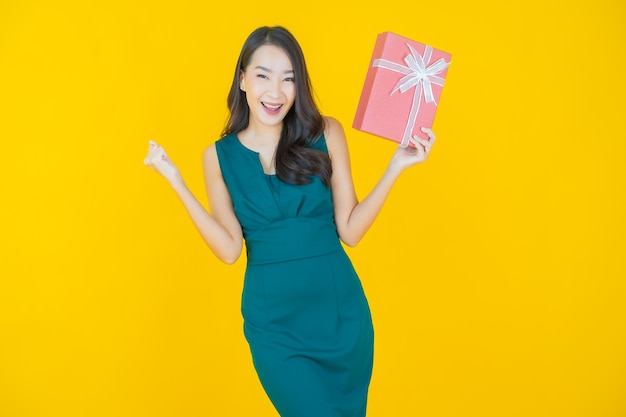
x=306 y=317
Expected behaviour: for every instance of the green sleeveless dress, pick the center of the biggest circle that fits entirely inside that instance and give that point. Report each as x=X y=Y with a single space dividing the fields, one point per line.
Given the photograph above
x=306 y=317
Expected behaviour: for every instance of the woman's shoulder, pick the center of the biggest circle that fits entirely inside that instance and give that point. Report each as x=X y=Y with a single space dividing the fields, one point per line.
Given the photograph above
x=225 y=140
x=220 y=145
x=331 y=125
x=333 y=133
x=211 y=154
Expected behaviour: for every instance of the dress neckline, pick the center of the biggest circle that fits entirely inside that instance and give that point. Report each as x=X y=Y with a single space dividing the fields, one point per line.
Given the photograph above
x=258 y=155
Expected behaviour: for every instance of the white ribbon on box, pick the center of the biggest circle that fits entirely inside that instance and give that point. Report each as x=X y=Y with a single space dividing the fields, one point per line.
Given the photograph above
x=417 y=74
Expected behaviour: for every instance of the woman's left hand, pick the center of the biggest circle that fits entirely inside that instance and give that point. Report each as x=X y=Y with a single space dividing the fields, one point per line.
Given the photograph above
x=409 y=155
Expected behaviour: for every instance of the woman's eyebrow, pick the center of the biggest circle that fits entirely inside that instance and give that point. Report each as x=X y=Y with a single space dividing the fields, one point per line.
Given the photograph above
x=270 y=71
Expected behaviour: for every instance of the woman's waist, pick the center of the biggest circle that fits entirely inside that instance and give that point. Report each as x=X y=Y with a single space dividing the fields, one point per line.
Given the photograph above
x=292 y=238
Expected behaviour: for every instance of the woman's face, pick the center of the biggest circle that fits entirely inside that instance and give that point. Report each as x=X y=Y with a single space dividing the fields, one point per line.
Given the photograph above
x=269 y=85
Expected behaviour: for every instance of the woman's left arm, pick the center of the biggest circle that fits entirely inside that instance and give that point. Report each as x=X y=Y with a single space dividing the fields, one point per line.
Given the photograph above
x=354 y=218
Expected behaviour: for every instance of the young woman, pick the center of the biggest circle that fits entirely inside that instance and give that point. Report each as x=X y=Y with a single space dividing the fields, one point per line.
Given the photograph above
x=279 y=178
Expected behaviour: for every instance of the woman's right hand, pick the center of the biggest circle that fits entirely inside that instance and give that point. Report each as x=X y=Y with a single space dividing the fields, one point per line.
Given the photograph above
x=157 y=159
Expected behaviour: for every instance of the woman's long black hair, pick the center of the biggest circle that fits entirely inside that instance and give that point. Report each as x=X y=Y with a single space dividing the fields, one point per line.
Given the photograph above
x=303 y=124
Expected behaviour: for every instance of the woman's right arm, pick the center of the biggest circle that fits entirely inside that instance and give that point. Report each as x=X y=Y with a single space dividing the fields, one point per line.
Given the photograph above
x=220 y=229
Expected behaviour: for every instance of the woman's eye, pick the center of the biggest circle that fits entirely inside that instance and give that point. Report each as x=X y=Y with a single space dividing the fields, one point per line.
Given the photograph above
x=290 y=79
x=261 y=75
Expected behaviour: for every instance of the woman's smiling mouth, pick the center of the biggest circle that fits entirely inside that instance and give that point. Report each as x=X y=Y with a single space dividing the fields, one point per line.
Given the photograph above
x=271 y=108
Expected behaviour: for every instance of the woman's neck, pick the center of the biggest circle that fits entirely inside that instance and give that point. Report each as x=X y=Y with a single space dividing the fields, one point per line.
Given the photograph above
x=261 y=134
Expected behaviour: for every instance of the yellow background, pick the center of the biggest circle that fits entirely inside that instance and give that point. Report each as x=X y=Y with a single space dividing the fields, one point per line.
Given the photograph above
x=495 y=272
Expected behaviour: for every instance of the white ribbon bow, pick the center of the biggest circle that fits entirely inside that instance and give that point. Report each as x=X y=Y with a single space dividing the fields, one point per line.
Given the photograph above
x=418 y=74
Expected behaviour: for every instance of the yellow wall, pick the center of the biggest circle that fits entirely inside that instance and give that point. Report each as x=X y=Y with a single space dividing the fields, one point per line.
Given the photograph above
x=495 y=273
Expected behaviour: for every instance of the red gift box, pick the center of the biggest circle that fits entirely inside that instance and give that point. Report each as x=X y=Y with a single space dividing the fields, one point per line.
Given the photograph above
x=402 y=88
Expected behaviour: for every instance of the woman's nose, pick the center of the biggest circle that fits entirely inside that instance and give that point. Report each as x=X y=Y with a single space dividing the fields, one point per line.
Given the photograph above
x=275 y=88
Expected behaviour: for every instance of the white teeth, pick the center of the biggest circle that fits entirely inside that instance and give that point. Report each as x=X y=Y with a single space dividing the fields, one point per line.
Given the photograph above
x=272 y=107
